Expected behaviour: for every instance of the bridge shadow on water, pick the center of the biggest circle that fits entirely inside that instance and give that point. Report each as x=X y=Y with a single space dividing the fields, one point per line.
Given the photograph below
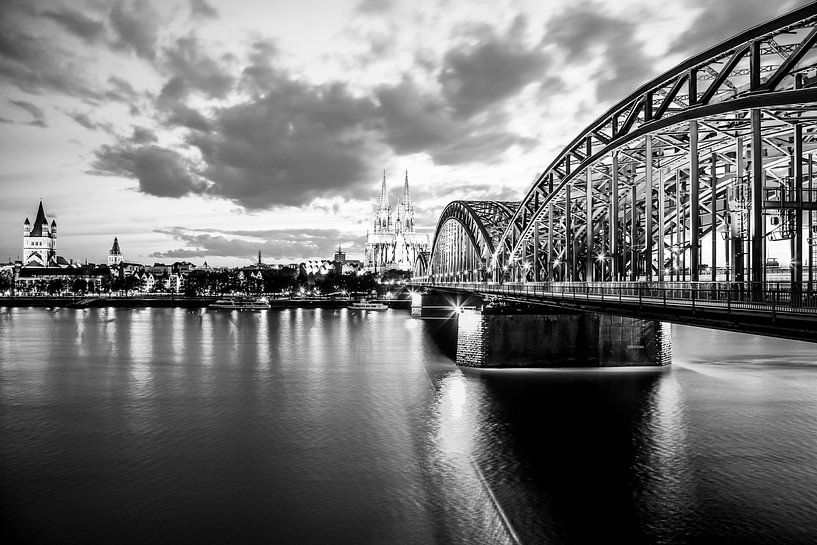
x=557 y=446
x=602 y=455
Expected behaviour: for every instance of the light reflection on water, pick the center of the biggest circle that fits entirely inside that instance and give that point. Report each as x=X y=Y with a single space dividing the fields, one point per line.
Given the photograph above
x=331 y=426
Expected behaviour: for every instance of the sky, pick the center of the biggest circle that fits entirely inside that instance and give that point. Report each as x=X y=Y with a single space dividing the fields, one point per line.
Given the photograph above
x=211 y=130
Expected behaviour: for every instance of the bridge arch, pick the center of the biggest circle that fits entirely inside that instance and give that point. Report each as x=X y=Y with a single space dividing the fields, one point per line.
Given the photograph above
x=706 y=162
x=465 y=238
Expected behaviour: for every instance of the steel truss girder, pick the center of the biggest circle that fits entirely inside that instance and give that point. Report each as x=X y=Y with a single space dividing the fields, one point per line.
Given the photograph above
x=655 y=107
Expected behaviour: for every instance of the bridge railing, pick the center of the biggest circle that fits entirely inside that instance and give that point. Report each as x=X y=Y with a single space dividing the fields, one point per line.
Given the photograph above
x=773 y=297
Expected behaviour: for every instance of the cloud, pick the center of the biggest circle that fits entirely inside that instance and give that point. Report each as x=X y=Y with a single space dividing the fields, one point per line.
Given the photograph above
x=416 y=121
x=465 y=120
x=37 y=115
x=78 y=24
x=276 y=244
x=121 y=91
x=712 y=26
x=492 y=68
x=201 y=9
x=178 y=114
x=33 y=64
x=374 y=6
x=141 y=135
x=294 y=144
x=137 y=24
x=88 y=123
x=259 y=75
x=161 y=172
x=585 y=33
x=193 y=70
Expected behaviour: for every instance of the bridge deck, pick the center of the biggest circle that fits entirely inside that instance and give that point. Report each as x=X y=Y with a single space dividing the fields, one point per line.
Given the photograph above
x=768 y=309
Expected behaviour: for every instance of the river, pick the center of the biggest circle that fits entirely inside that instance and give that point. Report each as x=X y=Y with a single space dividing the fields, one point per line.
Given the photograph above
x=333 y=426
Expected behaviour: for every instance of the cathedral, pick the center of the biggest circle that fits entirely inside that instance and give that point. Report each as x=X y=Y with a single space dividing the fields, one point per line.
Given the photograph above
x=40 y=242
x=393 y=243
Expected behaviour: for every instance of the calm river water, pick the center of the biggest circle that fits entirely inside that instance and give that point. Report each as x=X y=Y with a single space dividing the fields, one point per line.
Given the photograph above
x=331 y=426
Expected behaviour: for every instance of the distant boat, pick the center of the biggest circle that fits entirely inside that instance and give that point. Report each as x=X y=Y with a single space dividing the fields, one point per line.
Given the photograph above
x=367 y=305
x=241 y=303
x=83 y=303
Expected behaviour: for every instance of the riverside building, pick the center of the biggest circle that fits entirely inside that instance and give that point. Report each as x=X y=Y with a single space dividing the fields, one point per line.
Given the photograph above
x=40 y=242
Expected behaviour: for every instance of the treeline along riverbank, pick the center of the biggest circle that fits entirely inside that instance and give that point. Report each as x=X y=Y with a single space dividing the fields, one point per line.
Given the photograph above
x=174 y=301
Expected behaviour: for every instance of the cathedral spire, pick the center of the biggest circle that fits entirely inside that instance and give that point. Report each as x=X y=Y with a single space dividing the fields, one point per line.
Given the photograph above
x=406 y=194
x=384 y=195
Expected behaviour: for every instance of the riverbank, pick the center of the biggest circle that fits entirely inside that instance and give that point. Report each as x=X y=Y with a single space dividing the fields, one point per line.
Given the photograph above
x=180 y=301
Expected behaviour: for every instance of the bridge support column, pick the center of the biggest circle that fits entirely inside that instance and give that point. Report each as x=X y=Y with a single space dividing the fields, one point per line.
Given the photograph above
x=614 y=222
x=661 y=213
x=536 y=275
x=633 y=234
x=490 y=339
x=590 y=264
x=569 y=268
x=648 y=186
x=694 y=205
x=736 y=242
x=797 y=231
x=757 y=223
x=713 y=182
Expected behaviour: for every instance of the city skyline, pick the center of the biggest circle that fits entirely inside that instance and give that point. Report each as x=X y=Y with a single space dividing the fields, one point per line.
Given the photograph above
x=201 y=130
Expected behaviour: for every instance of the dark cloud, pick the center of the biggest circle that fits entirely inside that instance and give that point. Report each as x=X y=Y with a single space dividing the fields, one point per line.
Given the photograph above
x=180 y=115
x=492 y=68
x=294 y=144
x=276 y=244
x=291 y=141
x=37 y=115
x=32 y=64
x=374 y=6
x=415 y=121
x=141 y=135
x=260 y=75
x=137 y=25
x=120 y=90
x=86 y=121
x=90 y=30
x=161 y=172
x=200 y=8
x=6 y=120
x=193 y=70
x=585 y=33
x=712 y=26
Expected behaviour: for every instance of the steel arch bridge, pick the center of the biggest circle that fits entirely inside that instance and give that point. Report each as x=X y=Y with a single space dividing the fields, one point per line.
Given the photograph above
x=706 y=162
x=466 y=238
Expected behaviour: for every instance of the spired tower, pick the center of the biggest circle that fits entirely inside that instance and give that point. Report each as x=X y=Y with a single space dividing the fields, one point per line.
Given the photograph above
x=394 y=245
x=382 y=223
x=39 y=241
x=115 y=257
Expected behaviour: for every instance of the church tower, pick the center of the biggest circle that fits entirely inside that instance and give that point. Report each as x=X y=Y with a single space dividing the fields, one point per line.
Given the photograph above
x=382 y=222
x=39 y=241
x=115 y=255
x=408 y=209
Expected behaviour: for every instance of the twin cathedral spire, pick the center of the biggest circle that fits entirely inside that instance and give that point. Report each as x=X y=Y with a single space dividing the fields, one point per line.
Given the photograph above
x=404 y=212
x=394 y=244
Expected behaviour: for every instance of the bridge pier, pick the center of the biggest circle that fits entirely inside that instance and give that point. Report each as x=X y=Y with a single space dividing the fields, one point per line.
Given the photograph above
x=499 y=338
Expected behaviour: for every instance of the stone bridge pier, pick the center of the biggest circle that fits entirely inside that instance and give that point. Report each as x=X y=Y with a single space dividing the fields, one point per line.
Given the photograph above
x=505 y=338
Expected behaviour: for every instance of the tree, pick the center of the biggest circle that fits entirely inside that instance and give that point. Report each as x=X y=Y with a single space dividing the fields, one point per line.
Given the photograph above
x=6 y=279
x=79 y=286
x=56 y=285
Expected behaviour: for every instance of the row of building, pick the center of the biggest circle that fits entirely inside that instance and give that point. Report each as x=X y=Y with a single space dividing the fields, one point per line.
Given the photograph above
x=392 y=244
